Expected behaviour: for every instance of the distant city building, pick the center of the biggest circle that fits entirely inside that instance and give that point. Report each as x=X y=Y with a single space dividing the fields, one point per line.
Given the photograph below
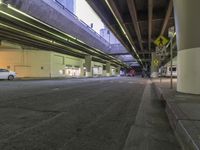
x=107 y=35
x=69 y=4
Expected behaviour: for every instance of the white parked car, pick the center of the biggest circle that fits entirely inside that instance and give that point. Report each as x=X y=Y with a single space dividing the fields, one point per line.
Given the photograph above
x=6 y=74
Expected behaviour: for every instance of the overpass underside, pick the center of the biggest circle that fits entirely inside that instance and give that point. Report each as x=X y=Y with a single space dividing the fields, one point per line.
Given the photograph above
x=21 y=28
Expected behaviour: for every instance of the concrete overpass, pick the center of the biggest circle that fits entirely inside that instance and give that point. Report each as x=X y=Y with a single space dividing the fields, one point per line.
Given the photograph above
x=32 y=32
x=70 y=24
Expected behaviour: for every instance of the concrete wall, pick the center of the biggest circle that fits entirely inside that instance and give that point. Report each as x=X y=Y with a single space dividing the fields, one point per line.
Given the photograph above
x=60 y=61
x=37 y=63
x=40 y=63
x=97 y=69
x=30 y=62
x=11 y=58
x=26 y=63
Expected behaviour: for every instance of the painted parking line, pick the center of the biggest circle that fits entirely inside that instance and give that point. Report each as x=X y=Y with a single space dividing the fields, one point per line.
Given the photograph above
x=55 y=89
x=132 y=82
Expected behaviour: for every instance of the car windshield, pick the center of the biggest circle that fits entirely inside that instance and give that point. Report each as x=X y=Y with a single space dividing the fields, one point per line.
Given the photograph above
x=3 y=70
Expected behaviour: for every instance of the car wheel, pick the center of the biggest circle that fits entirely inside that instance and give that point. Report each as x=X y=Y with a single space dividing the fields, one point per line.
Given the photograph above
x=10 y=77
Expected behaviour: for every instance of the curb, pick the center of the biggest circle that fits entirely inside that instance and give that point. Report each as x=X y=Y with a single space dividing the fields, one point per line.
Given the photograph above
x=184 y=129
x=57 y=78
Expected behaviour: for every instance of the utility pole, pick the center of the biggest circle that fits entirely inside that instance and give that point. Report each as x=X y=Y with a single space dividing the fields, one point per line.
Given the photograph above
x=171 y=58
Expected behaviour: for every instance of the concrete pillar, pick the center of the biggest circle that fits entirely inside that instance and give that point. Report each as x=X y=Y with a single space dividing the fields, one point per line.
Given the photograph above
x=154 y=65
x=188 y=42
x=118 y=70
x=82 y=68
x=108 y=73
x=88 y=65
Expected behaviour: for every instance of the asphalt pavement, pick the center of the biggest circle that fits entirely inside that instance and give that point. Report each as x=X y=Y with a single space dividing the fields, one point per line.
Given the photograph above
x=77 y=114
x=69 y=114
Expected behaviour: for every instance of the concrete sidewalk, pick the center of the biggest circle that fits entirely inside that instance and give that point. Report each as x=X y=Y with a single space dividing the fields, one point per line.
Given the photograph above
x=183 y=111
x=151 y=130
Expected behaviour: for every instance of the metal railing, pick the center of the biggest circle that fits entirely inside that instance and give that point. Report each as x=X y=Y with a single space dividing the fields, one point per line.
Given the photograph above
x=81 y=21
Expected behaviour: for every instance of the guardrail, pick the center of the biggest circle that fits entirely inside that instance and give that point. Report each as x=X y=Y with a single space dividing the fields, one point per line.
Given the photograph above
x=81 y=21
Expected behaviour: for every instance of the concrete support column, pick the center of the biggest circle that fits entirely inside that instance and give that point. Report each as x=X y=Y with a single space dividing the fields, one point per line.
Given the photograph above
x=88 y=65
x=118 y=70
x=82 y=68
x=154 y=65
x=108 y=73
x=188 y=42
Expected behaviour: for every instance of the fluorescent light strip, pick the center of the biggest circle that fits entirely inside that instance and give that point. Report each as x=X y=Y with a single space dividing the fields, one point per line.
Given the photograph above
x=115 y=17
x=44 y=39
x=39 y=28
x=9 y=27
x=123 y=29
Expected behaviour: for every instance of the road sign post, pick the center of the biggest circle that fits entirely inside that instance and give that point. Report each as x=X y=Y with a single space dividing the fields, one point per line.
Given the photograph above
x=171 y=58
x=161 y=70
x=171 y=33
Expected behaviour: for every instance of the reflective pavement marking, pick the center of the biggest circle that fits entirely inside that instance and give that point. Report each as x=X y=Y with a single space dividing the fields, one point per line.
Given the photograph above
x=131 y=82
x=55 y=89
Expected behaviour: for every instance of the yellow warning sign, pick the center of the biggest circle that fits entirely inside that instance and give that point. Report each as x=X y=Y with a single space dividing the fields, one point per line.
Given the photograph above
x=161 y=41
x=155 y=62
